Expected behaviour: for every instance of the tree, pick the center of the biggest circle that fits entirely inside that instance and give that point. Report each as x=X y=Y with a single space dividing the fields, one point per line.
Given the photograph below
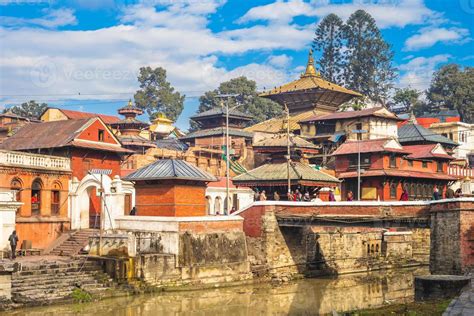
x=451 y=88
x=29 y=109
x=368 y=67
x=407 y=100
x=156 y=95
x=261 y=109
x=328 y=40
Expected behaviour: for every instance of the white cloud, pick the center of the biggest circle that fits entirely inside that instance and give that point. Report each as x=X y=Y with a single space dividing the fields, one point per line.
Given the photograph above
x=428 y=37
x=417 y=73
x=280 y=61
x=51 y=19
x=387 y=13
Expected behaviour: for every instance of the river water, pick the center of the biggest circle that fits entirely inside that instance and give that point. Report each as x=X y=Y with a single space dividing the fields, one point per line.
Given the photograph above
x=302 y=297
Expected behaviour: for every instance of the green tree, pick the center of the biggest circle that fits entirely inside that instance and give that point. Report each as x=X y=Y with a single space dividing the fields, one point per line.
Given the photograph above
x=407 y=99
x=451 y=88
x=261 y=109
x=368 y=67
x=156 y=95
x=29 y=109
x=329 y=41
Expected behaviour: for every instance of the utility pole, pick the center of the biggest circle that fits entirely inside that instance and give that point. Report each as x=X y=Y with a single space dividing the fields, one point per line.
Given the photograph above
x=225 y=105
x=358 y=132
x=288 y=152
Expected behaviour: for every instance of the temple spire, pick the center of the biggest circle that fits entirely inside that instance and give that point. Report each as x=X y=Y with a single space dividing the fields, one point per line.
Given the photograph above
x=310 y=69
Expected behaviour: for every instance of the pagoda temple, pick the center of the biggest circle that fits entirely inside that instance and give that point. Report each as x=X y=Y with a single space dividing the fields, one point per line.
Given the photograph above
x=305 y=97
x=128 y=129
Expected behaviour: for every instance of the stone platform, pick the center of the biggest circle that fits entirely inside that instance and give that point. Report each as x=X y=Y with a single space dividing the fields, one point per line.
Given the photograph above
x=464 y=304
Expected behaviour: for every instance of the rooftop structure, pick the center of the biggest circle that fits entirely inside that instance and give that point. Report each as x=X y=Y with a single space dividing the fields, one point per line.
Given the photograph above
x=171 y=169
x=415 y=134
x=276 y=175
x=129 y=129
x=216 y=117
x=310 y=91
x=57 y=114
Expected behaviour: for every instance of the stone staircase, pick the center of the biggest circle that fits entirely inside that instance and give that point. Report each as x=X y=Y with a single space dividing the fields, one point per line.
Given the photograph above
x=52 y=282
x=72 y=246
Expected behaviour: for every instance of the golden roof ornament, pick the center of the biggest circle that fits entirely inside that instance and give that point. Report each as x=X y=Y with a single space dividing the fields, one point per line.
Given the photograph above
x=130 y=104
x=310 y=69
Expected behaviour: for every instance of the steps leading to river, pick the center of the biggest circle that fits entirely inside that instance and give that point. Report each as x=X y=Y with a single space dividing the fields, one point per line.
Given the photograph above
x=74 y=243
x=47 y=283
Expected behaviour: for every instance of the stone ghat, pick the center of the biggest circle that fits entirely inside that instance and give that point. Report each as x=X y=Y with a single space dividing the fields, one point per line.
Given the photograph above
x=53 y=280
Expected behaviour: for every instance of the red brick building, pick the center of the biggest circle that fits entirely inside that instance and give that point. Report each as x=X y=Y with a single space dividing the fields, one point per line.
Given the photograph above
x=89 y=144
x=388 y=167
x=170 y=187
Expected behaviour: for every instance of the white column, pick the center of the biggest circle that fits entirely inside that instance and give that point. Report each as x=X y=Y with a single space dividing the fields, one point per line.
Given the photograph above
x=8 y=208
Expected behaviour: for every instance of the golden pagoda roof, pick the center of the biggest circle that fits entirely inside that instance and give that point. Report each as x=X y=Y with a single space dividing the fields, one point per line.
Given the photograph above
x=311 y=79
x=309 y=82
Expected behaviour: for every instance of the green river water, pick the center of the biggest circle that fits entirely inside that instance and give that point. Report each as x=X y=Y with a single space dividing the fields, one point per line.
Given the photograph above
x=301 y=297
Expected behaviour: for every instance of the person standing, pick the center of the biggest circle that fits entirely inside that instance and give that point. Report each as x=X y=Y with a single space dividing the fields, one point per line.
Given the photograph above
x=458 y=193
x=449 y=194
x=262 y=197
x=436 y=195
x=332 y=198
x=13 y=239
x=350 y=196
x=276 y=196
x=404 y=196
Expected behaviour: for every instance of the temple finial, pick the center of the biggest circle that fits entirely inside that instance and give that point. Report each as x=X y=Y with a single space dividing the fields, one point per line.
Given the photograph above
x=310 y=69
x=130 y=104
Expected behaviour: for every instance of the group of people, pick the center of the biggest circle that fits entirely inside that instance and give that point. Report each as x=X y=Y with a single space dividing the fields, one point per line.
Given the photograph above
x=449 y=194
x=296 y=196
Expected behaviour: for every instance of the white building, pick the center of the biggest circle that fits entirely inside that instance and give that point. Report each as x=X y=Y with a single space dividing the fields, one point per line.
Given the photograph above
x=216 y=194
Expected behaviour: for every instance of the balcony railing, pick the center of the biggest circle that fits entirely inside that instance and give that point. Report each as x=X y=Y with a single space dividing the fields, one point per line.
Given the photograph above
x=461 y=172
x=27 y=160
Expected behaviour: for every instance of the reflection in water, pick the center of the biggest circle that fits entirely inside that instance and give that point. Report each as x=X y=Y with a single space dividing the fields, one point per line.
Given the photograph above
x=309 y=296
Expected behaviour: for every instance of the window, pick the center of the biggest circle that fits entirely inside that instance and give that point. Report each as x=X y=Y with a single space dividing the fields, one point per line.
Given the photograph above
x=451 y=136
x=36 y=197
x=101 y=135
x=424 y=164
x=410 y=163
x=16 y=187
x=393 y=191
x=55 y=203
x=393 y=161
x=440 y=166
x=444 y=134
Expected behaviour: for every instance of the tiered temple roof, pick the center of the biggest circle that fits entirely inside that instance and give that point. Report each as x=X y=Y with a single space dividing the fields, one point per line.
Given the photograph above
x=310 y=91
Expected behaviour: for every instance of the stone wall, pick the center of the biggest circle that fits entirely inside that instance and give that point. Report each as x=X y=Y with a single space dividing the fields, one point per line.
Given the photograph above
x=452 y=237
x=283 y=251
x=180 y=251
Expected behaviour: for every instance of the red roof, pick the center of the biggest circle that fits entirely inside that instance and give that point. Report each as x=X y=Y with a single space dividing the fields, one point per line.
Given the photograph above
x=365 y=146
x=398 y=173
x=76 y=115
x=424 y=151
x=352 y=114
x=427 y=121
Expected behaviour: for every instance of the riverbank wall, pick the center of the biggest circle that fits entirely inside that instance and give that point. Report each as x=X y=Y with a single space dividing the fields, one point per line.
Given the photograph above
x=310 y=239
x=180 y=251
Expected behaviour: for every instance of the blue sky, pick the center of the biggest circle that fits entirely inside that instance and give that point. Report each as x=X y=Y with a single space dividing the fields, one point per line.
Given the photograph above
x=85 y=54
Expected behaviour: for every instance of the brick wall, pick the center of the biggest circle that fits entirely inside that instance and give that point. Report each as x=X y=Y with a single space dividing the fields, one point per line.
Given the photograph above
x=170 y=199
x=82 y=160
x=452 y=237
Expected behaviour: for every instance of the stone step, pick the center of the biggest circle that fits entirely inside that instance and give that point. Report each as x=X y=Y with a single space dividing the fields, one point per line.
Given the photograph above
x=40 y=278
x=54 y=271
x=54 y=285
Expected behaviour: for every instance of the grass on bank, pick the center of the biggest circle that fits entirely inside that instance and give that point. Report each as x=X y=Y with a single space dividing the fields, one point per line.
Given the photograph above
x=428 y=308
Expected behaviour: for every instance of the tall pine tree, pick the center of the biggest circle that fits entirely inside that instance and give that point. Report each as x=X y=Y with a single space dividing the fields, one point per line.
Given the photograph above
x=329 y=41
x=368 y=68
